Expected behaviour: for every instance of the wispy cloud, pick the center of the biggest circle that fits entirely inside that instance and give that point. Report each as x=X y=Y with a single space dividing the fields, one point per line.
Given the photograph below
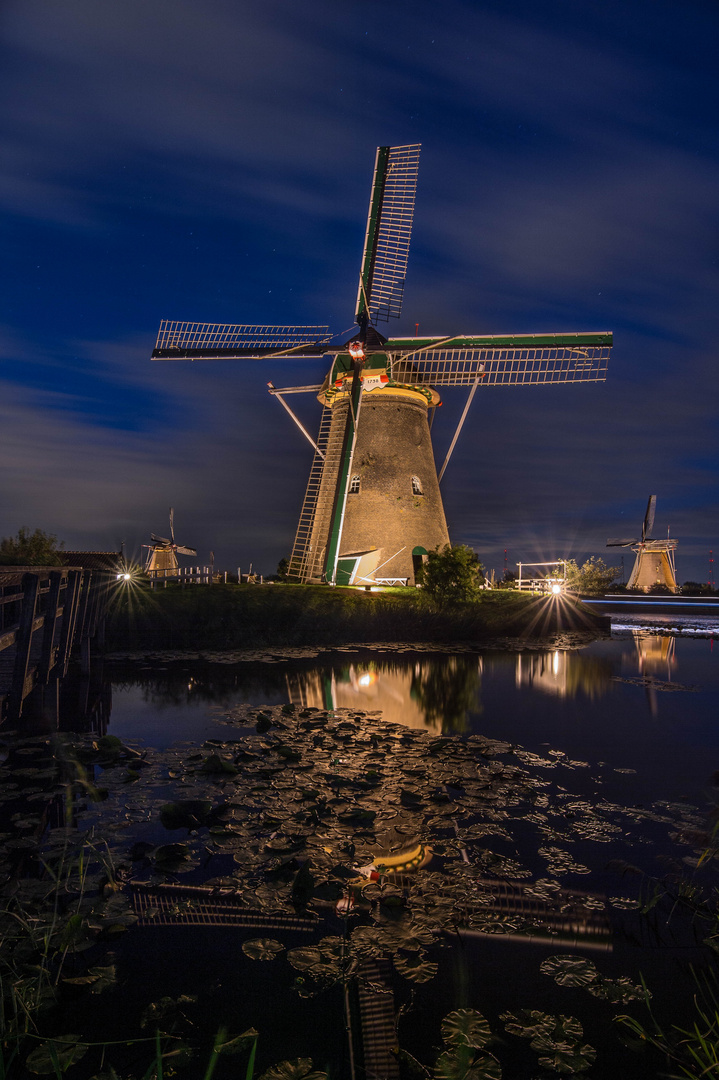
x=215 y=159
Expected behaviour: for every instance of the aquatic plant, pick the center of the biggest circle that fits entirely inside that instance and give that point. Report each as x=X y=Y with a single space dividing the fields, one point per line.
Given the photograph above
x=286 y=817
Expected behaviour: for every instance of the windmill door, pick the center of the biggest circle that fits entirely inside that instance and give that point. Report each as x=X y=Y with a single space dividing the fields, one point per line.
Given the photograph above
x=346 y=570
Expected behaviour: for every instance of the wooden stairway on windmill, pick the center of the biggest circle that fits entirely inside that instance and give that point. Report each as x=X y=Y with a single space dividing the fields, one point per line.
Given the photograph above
x=307 y=559
x=372 y=508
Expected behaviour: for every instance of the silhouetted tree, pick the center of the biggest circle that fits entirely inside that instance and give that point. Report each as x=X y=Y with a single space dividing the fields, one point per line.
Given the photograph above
x=593 y=578
x=507 y=581
x=696 y=588
x=29 y=549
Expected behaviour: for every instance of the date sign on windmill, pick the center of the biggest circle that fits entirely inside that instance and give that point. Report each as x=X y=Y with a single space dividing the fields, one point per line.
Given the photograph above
x=372 y=509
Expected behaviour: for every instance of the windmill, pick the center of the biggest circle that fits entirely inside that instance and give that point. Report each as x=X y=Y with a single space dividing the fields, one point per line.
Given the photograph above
x=372 y=509
x=162 y=553
x=654 y=563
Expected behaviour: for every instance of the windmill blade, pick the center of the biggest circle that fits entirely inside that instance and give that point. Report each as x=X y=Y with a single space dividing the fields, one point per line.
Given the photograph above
x=517 y=360
x=649 y=517
x=389 y=229
x=622 y=543
x=172 y=525
x=185 y=550
x=160 y=540
x=224 y=341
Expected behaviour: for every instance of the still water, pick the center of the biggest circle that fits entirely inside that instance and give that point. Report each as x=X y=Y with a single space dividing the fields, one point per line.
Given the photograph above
x=576 y=762
x=641 y=702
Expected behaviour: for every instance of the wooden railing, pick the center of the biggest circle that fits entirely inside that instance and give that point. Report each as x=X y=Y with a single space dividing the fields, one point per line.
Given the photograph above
x=46 y=613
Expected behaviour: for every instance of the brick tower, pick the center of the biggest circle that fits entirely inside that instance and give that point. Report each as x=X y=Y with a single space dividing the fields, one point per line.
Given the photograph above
x=393 y=510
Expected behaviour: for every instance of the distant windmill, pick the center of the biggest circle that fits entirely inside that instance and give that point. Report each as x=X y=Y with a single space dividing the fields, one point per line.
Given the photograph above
x=162 y=553
x=654 y=563
x=372 y=509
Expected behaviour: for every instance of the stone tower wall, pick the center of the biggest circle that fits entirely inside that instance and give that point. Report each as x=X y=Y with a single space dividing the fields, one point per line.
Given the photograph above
x=393 y=445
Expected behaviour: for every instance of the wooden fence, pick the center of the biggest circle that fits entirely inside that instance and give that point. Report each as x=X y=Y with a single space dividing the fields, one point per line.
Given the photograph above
x=46 y=614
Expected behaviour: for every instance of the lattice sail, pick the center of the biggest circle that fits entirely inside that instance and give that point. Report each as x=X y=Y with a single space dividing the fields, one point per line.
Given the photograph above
x=503 y=367
x=389 y=229
x=220 y=340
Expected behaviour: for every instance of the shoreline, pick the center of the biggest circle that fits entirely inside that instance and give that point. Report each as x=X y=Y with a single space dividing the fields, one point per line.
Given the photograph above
x=220 y=618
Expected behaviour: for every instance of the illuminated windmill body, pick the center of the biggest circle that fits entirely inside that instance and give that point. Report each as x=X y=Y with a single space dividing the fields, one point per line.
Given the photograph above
x=372 y=509
x=654 y=563
x=162 y=553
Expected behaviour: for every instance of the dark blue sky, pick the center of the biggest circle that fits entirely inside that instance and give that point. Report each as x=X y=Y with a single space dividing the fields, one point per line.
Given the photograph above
x=211 y=160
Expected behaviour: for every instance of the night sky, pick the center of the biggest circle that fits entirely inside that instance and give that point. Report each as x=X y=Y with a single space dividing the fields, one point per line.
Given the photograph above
x=212 y=159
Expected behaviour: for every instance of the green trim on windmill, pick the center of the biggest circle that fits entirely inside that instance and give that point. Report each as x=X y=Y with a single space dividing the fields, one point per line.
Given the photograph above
x=342 y=365
x=428 y=362
x=499 y=341
x=376 y=363
x=340 y=501
x=370 y=243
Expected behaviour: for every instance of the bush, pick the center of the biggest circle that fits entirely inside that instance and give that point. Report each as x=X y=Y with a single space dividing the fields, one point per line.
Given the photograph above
x=509 y=581
x=453 y=575
x=593 y=578
x=696 y=588
x=30 y=549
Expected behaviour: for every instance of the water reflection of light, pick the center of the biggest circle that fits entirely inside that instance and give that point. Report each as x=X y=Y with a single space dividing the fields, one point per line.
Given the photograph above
x=543 y=671
x=433 y=694
x=655 y=653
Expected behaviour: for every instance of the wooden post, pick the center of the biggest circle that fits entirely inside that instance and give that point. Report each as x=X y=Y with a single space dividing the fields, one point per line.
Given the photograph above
x=23 y=643
x=69 y=615
x=84 y=614
x=52 y=602
x=85 y=654
x=101 y=614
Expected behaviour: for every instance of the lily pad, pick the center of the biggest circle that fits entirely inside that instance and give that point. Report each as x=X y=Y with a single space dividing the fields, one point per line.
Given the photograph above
x=214 y=765
x=172 y=857
x=305 y=958
x=59 y=1053
x=535 y=1025
x=569 y=1061
x=235 y=1044
x=453 y=1065
x=415 y=967
x=466 y=1027
x=262 y=948
x=620 y=991
x=186 y=814
x=299 y=1069
x=97 y=978
x=570 y=970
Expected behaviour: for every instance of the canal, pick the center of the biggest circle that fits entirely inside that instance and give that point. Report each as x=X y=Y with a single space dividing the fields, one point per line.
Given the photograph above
x=546 y=814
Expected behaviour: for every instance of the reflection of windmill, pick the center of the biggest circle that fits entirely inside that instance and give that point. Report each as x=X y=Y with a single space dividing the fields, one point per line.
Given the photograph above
x=162 y=553
x=372 y=508
x=654 y=564
x=655 y=653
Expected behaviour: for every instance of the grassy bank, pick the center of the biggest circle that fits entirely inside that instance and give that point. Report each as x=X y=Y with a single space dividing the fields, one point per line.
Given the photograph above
x=247 y=616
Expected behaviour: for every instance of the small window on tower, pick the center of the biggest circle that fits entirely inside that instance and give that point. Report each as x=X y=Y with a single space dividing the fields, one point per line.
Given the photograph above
x=354 y=485
x=416 y=486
